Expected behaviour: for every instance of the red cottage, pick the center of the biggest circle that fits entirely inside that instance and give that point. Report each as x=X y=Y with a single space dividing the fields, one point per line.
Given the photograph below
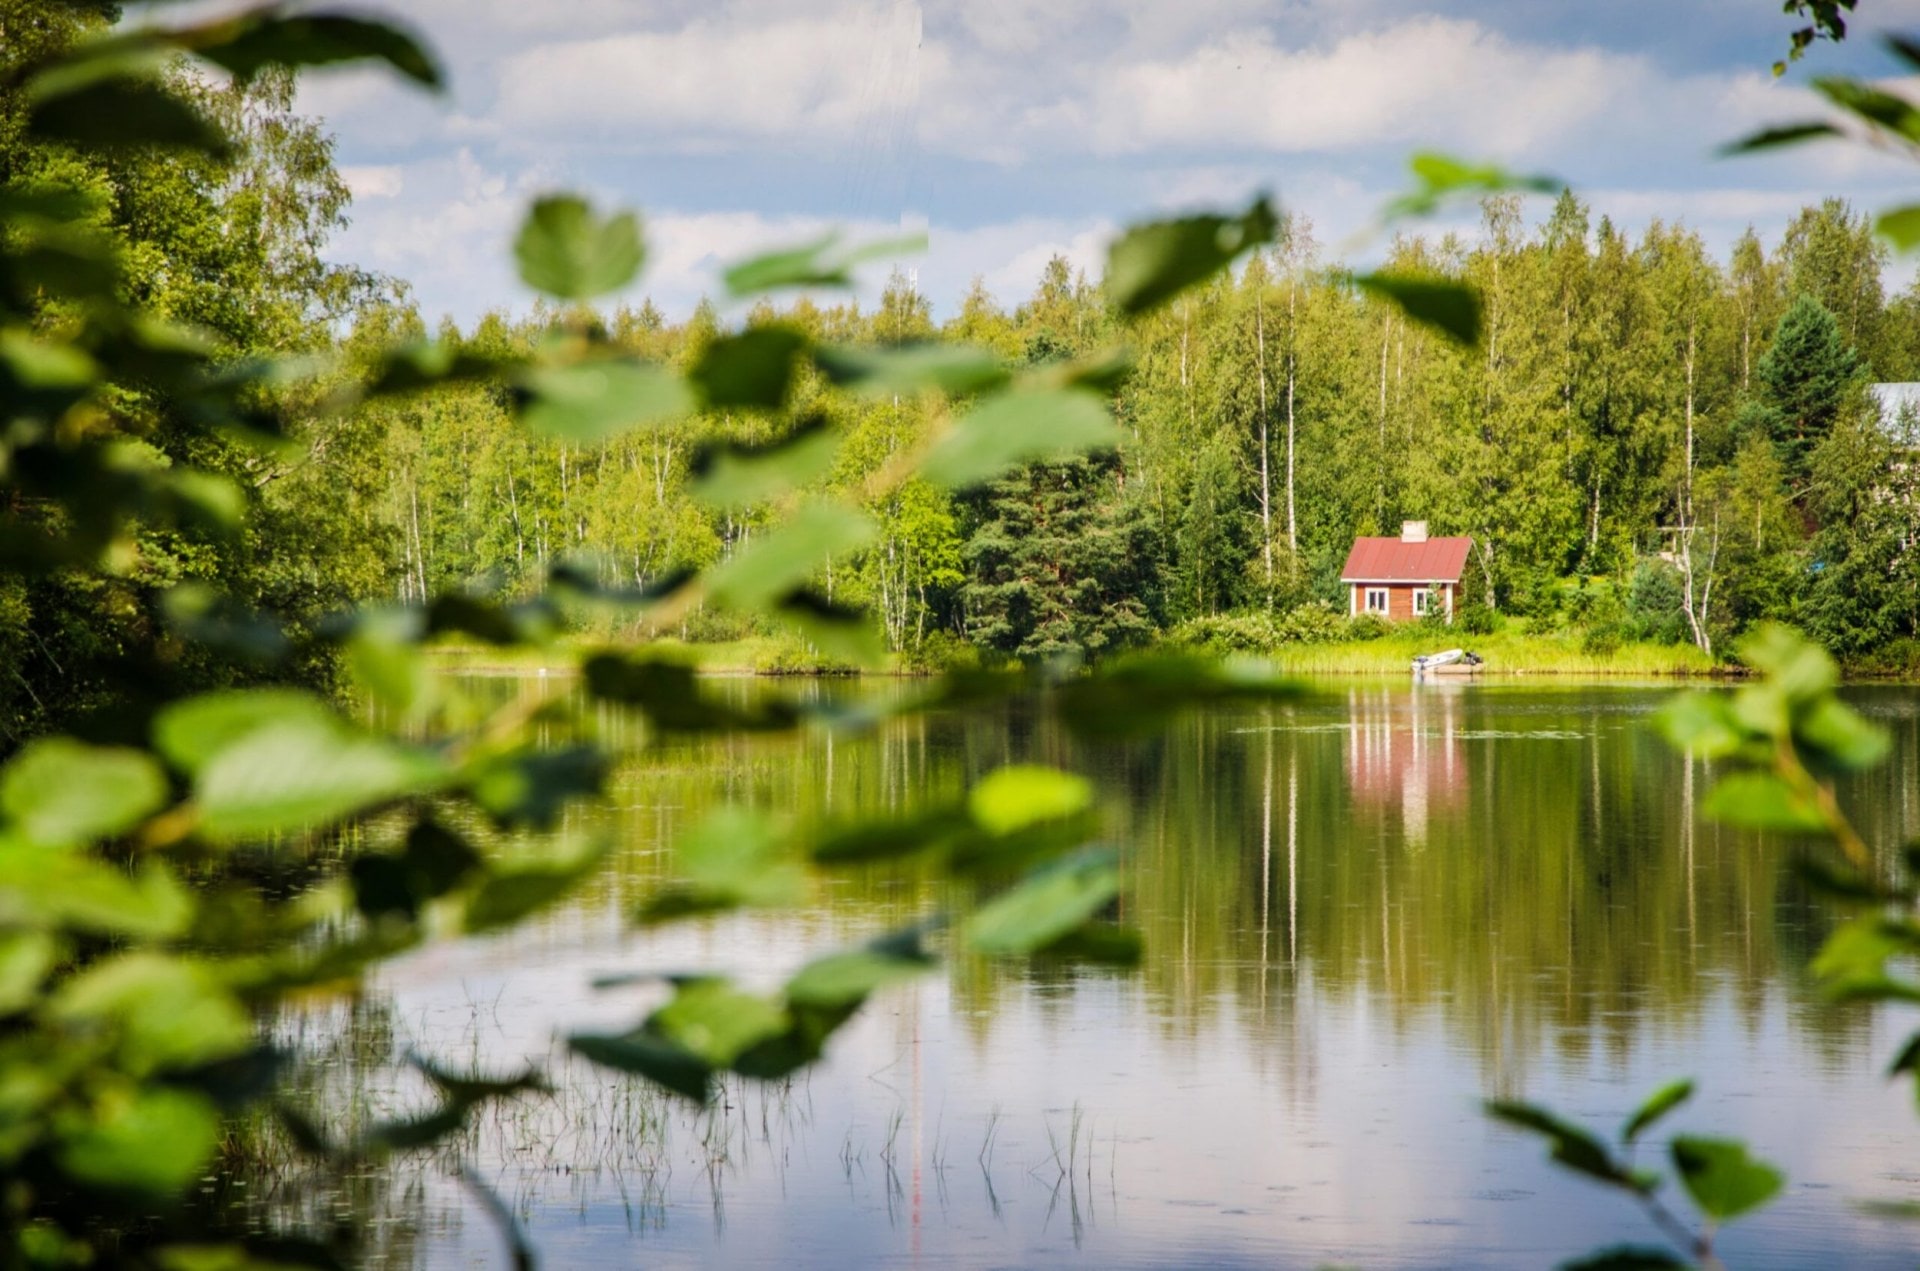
x=1407 y=577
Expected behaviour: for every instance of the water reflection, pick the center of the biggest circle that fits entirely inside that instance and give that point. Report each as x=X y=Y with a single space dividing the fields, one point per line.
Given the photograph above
x=1363 y=913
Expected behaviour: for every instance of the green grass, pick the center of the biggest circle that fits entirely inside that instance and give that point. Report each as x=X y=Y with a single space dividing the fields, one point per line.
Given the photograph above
x=1505 y=653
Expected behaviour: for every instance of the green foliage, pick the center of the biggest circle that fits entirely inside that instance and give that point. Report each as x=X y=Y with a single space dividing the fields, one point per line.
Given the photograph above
x=1720 y=1177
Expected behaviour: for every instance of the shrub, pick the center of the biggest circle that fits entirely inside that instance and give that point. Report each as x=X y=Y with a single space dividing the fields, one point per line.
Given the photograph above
x=1602 y=639
x=1367 y=626
x=1316 y=622
x=939 y=652
x=788 y=654
x=1475 y=618
x=1654 y=603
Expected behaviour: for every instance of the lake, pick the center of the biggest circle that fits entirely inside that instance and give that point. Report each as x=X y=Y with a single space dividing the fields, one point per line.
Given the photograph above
x=1364 y=913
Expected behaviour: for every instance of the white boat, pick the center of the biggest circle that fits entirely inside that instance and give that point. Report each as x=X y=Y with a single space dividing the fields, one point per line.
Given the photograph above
x=1447 y=662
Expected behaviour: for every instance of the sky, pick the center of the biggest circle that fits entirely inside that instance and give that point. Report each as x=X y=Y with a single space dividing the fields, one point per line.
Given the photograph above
x=1013 y=130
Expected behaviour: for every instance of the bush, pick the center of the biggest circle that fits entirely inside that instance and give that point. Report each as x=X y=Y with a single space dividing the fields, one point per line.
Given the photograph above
x=1367 y=626
x=1602 y=639
x=1228 y=633
x=1654 y=603
x=1316 y=622
x=1475 y=618
x=788 y=654
x=939 y=652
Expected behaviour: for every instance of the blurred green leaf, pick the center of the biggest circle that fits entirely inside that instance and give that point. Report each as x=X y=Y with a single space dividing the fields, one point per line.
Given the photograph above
x=1874 y=105
x=669 y=691
x=782 y=559
x=26 y=958
x=1628 y=1258
x=821 y=263
x=1857 y=951
x=409 y=368
x=1900 y=226
x=168 y=1012
x=1840 y=739
x=731 y=857
x=189 y=733
x=1017 y=427
x=1573 y=1147
x=1795 y=666
x=664 y=1063
x=1658 y=1104
x=1762 y=801
x=529 y=787
x=1701 y=724
x=754 y=369
x=717 y=1022
x=566 y=251
x=1152 y=263
x=733 y=476
x=58 y=792
x=42 y=890
x=249 y=43
x=510 y=892
x=1451 y=308
x=149 y=1142
x=592 y=401
x=1779 y=136
x=1441 y=177
x=1020 y=795
x=886 y=838
x=842 y=980
x=1047 y=906
x=1723 y=1180
x=301 y=773
x=118 y=109
x=946 y=368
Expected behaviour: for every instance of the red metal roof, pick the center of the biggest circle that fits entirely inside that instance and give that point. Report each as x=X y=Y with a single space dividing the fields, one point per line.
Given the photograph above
x=1389 y=560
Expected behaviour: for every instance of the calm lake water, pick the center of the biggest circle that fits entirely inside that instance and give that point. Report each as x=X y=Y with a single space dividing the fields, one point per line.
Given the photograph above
x=1364 y=914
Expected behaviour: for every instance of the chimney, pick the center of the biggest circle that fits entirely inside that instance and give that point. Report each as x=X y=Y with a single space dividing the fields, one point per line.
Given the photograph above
x=1413 y=531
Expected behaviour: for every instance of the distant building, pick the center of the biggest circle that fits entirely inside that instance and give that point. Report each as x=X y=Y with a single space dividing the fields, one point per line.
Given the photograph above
x=1407 y=577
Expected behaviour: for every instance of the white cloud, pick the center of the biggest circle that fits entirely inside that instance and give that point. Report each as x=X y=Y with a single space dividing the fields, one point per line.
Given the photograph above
x=374 y=181
x=803 y=78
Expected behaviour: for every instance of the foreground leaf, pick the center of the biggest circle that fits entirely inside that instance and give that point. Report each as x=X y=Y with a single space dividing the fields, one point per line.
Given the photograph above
x=1722 y=1179
x=1152 y=263
x=1018 y=427
x=58 y=792
x=1047 y=906
x=1572 y=1146
x=151 y=1143
x=1658 y=1104
x=1451 y=308
x=568 y=252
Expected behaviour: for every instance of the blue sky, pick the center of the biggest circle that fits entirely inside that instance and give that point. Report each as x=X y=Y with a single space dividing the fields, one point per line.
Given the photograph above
x=1014 y=129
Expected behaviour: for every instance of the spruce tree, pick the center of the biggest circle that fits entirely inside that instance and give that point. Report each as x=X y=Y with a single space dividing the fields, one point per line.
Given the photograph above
x=1805 y=380
x=1062 y=562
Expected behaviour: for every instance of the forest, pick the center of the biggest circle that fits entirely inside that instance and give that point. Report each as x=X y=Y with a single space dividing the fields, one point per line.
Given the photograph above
x=1651 y=441
x=248 y=495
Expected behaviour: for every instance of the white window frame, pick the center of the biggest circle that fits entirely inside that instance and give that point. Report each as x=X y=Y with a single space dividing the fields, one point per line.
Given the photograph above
x=1422 y=601
x=1373 y=593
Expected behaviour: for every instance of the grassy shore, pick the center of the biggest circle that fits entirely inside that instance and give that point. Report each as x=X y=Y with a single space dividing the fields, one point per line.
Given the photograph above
x=1504 y=653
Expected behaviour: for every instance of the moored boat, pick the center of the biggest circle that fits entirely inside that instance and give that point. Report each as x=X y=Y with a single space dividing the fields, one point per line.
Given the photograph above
x=1448 y=662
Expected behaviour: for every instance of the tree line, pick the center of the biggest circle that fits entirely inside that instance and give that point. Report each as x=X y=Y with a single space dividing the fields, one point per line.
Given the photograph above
x=1647 y=437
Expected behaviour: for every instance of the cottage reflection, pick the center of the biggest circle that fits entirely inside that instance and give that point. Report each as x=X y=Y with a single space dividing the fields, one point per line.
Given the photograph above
x=1404 y=749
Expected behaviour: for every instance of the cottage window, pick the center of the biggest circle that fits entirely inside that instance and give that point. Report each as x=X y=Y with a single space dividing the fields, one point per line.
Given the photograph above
x=1376 y=600
x=1422 y=601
